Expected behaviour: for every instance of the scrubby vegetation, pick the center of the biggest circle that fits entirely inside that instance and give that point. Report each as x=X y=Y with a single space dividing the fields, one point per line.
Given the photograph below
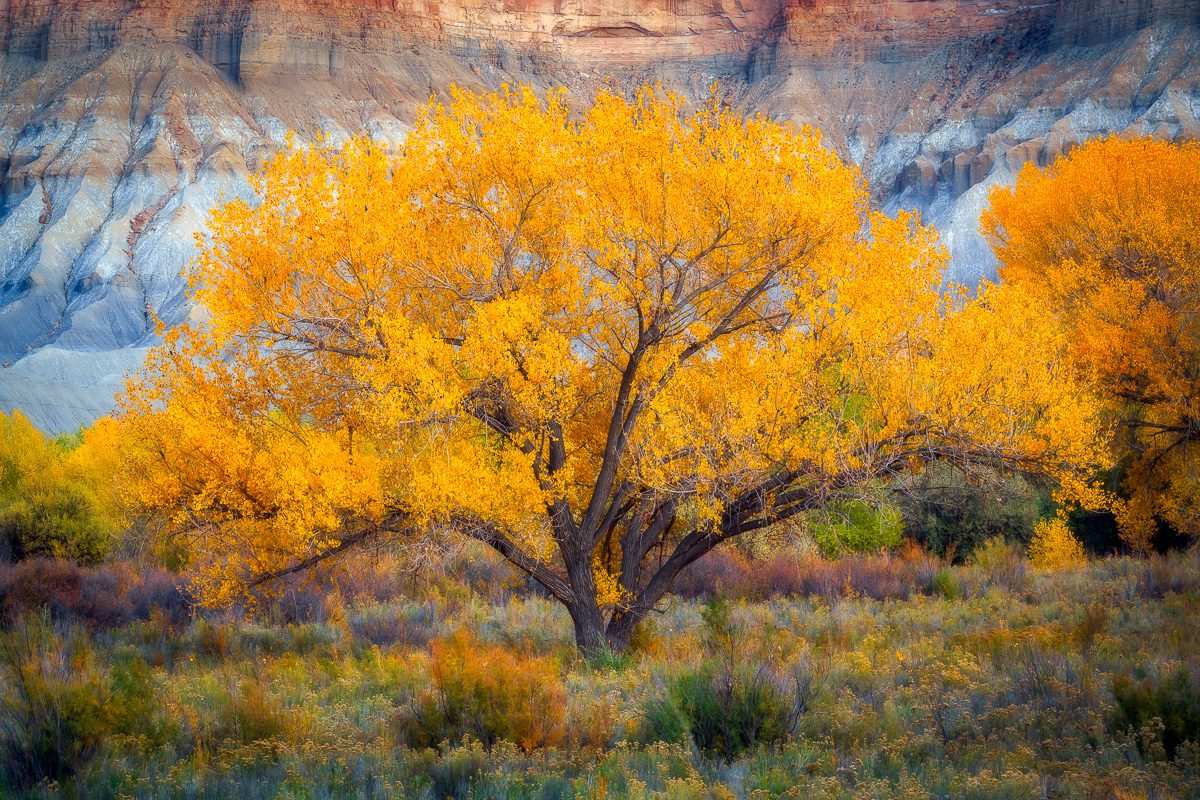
x=1080 y=681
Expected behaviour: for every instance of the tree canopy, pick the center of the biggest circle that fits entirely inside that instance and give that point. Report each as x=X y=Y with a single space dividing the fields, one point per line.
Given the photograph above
x=602 y=341
x=1108 y=239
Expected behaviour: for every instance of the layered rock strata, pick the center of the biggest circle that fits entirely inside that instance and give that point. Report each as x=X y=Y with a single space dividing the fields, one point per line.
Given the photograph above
x=122 y=122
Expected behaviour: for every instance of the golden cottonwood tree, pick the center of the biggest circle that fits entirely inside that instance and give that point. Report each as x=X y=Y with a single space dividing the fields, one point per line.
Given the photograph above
x=1108 y=238
x=603 y=343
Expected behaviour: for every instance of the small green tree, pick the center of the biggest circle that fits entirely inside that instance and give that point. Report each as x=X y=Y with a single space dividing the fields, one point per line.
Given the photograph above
x=856 y=526
x=951 y=515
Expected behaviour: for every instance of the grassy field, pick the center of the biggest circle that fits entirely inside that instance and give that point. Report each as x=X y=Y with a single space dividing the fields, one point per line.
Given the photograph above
x=887 y=679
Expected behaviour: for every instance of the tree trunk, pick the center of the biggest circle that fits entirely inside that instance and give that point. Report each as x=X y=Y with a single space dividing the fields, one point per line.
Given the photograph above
x=589 y=630
x=585 y=613
x=624 y=622
x=620 y=630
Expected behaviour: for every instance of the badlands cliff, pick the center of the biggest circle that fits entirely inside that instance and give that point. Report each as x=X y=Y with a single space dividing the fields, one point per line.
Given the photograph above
x=122 y=122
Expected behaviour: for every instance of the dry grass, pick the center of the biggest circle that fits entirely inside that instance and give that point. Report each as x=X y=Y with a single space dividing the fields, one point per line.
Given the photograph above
x=1005 y=692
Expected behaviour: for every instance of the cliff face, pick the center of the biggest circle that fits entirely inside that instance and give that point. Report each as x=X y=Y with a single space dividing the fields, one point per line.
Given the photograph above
x=122 y=122
x=251 y=41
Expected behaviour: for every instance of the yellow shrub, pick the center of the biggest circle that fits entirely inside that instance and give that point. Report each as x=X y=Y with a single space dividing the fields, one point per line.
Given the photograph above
x=1054 y=546
x=592 y=721
x=491 y=694
x=57 y=499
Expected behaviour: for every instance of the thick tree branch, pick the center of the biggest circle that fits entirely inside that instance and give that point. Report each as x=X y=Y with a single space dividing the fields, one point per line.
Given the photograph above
x=393 y=523
x=538 y=570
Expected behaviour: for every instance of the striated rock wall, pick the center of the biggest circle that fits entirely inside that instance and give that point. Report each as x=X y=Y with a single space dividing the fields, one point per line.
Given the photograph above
x=122 y=122
x=254 y=39
x=1091 y=22
x=889 y=30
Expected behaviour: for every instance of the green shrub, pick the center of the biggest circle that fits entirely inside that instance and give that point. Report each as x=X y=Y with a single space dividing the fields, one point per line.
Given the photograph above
x=54 y=706
x=729 y=711
x=945 y=583
x=57 y=523
x=729 y=704
x=722 y=635
x=608 y=660
x=134 y=707
x=951 y=516
x=661 y=721
x=1174 y=701
x=854 y=526
x=457 y=771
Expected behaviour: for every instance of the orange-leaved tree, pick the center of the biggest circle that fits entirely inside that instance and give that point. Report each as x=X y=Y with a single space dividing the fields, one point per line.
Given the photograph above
x=1108 y=239
x=601 y=342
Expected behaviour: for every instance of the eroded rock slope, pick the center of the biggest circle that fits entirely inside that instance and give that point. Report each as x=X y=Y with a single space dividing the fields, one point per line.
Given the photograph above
x=122 y=122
